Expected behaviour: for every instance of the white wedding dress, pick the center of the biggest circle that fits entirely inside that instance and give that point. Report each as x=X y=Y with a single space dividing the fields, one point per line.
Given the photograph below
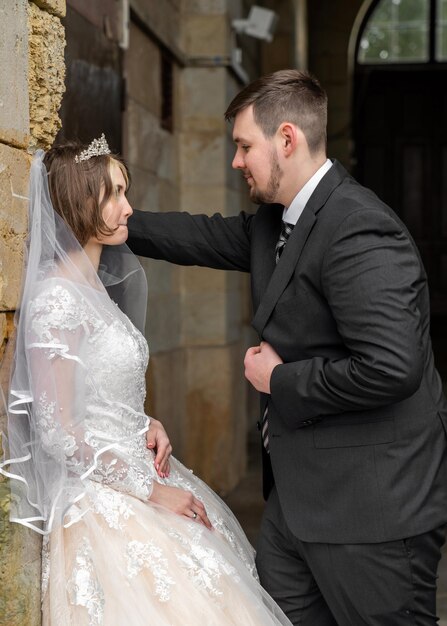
x=119 y=560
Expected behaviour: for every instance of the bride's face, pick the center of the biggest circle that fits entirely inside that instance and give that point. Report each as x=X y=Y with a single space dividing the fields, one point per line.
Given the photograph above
x=117 y=210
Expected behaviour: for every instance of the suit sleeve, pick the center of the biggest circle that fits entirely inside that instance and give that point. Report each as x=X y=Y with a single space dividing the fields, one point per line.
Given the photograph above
x=218 y=242
x=371 y=278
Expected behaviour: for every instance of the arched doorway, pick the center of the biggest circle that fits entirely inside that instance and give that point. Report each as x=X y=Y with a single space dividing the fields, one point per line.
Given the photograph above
x=400 y=130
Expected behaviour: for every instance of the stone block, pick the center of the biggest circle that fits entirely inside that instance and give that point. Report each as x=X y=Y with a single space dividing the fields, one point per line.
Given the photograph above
x=6 y=356
x=210 y=318
x=196 y=280
x=202 y=279
x=144 y=190
x=200 y=396
x=206 y=35
x=56 y=7
x=166 y=395
x=207 y=7
x=215 y=422
x=46 y=75
x=163 y=278
x=169 y=196
x=14 y=109
x=239 y=201
x=168 y=167
x=142 y=67
x=145 y=138
x=163 y=18
x=14 y=173
x=203 y=198
x=203 y=98
x=3 y=335
x=164 y=322
x=20 y=550
x=7 y=330
x=202 y=158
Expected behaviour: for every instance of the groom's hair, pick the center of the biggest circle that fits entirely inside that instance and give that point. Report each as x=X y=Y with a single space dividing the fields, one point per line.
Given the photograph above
x=286 y=96
x=79 y=190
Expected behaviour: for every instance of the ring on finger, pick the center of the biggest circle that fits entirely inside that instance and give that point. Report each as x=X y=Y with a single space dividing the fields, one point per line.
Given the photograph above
x=194 y=515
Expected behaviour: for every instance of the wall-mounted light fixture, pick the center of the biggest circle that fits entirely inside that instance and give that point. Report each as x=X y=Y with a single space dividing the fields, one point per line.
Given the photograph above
x=260 y=23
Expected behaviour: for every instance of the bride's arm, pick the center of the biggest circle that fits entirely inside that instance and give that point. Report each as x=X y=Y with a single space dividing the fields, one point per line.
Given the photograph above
x=76 y=432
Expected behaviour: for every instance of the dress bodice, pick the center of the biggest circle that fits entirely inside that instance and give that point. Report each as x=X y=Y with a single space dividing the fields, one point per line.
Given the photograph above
x=116 y=353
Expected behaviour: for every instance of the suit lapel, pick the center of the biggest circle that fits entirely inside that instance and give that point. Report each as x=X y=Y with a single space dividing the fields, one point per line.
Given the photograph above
x=283 y=271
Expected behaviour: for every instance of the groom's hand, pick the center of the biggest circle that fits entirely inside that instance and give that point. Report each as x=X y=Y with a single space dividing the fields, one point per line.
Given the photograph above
x=259 y=364
x=158 y=441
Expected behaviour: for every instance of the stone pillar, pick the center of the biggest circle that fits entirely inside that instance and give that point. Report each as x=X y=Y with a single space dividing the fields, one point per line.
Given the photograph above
x=31 y=84
x=213 y=304
x=197 y=318
x=211 y=301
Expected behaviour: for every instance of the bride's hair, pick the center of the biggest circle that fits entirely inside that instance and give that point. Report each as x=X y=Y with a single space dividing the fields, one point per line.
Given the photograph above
x=80 y=190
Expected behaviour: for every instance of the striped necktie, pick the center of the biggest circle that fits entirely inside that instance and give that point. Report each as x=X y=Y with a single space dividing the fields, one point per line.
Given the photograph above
x=286 y=229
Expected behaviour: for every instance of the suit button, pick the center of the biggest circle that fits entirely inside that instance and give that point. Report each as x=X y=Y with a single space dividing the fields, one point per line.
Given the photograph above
x=258 y=425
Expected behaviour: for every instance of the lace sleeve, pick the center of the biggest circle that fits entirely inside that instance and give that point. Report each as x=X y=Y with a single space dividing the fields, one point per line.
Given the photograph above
x=62 y=326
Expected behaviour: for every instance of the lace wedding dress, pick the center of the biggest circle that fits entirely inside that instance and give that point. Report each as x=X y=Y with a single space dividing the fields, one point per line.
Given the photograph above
x=119 y=560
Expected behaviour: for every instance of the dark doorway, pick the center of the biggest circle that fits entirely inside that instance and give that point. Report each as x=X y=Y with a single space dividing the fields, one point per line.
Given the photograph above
x=400 y=133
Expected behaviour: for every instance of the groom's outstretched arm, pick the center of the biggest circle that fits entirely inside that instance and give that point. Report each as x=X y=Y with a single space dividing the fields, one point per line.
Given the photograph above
x=218 y=242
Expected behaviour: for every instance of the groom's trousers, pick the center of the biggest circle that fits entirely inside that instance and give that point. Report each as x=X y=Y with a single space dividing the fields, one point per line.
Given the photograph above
x=321 y=584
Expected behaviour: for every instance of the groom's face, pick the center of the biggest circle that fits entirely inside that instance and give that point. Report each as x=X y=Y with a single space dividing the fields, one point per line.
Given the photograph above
x=256 y=156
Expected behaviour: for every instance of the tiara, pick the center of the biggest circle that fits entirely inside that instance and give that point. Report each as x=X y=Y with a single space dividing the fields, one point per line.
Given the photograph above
x=96 y=148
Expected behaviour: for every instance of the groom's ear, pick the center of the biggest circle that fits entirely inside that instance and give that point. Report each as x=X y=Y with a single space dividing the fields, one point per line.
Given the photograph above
x=290 y=137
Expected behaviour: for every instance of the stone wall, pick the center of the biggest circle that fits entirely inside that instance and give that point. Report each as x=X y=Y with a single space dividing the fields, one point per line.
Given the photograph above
x=32 y=84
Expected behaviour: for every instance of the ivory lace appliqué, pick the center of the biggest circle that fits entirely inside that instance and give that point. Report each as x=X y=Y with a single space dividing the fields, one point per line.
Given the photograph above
x=83 y=587
x=148 y=555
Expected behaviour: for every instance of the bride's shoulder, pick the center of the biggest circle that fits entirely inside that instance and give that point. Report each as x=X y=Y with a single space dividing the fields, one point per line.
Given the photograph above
x=54 y=290
x=58 y=303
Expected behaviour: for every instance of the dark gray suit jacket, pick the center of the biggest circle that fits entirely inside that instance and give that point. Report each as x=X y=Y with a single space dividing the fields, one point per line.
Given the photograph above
x=357 y=418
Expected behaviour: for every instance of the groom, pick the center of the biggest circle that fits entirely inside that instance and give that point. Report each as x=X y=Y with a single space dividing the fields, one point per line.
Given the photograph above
x=353 y=419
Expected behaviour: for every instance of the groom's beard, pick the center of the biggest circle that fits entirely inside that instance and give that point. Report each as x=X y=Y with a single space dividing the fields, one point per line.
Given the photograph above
x=268 y=196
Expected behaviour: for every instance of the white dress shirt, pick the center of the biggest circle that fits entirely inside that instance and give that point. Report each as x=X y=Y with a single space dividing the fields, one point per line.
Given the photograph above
x=293 y=212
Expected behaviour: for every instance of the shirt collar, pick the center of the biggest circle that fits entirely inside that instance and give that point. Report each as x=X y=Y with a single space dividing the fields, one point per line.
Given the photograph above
x=293 y=212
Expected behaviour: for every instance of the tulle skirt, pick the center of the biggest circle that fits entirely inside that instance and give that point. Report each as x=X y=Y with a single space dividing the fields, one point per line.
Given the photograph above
x=131 y=563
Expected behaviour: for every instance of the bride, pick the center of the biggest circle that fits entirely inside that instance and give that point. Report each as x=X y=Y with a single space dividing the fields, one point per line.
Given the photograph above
x=130 y=536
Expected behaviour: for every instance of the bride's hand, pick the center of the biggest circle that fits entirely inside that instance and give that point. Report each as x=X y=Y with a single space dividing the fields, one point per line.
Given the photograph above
x=158 y=441
x=181 y=502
